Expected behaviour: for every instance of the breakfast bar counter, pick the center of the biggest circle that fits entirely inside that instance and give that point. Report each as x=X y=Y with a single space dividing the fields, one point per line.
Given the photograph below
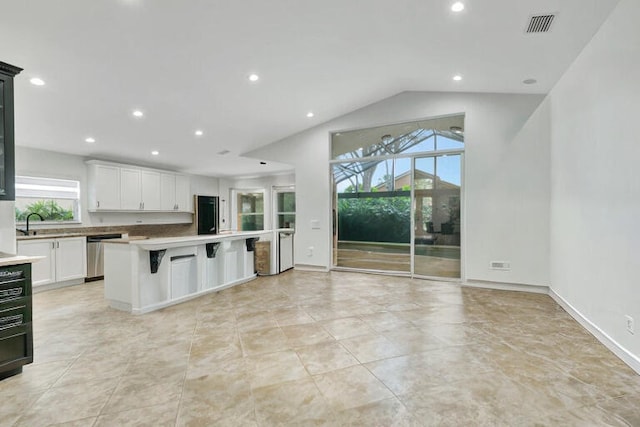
x=142 y=275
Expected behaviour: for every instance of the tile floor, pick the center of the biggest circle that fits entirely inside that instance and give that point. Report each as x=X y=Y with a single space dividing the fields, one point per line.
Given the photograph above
x=318 y=349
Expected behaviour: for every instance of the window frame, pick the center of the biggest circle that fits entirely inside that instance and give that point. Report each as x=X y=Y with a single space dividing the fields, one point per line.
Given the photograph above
x=20 y=194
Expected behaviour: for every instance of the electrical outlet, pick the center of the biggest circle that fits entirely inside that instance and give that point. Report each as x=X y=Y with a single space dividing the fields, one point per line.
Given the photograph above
x=630 y=327
x=310 y=251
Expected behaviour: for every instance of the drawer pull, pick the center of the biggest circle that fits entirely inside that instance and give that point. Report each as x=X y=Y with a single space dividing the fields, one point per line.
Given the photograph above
x=10 y=293
x=7 y=276
x=11 y=321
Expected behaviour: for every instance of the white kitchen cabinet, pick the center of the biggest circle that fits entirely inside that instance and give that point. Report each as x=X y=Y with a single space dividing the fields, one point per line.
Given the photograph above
x=71 y=258
x=43 y=272
x=119 y=187
x=151 y=192
x=130 y=189
x=184 y=198
x=139 y=190
x=168 y=191
x=176 y=193
x=65 y=259
x=104 y=187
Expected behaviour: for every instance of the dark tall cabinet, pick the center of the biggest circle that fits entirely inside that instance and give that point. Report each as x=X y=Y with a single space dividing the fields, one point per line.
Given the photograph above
x=7 y=156
x=16 y=331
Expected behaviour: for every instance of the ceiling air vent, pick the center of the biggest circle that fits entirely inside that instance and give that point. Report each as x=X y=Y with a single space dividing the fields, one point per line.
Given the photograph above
x=540 y=23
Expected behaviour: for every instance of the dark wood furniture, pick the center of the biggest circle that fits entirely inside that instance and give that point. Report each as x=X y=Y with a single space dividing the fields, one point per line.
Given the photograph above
x=7 y=156
x=16 y=330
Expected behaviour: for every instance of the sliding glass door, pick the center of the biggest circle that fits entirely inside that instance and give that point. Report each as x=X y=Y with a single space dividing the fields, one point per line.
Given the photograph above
x=436 y=242
x=396 y=198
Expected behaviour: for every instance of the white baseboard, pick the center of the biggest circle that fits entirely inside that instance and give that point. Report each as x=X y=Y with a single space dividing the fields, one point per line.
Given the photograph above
x=309 y=267
x=57 y=285
x=626 y=356
x=537 y=289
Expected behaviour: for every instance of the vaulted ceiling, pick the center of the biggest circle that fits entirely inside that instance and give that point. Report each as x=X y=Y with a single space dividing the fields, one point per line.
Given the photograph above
x=186 y=66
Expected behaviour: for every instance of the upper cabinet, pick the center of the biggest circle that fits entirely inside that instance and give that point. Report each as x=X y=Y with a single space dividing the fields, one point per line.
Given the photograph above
x=176 y=193
x=114 y=187
x=7 y=156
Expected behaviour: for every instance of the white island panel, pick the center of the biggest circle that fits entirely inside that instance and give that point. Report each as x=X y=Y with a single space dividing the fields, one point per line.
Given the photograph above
x=185 y=271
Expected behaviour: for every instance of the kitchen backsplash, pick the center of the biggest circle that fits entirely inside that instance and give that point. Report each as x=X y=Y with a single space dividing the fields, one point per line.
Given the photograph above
x=150 y=230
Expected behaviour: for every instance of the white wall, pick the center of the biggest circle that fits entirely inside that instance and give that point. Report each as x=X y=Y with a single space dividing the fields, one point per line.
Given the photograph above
x=34 y=162
x=595 y=183
x=265 y=183
x=506 y=178
x=7 y=227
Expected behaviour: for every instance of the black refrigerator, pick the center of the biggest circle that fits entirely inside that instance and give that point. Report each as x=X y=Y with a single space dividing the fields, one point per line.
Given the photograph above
x=207 y=214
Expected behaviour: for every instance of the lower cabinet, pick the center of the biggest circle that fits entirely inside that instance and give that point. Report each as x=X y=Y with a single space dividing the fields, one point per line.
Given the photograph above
x=65 y=259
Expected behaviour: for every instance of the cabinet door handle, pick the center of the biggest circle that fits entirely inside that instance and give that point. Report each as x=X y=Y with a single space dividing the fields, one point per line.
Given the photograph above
x=53 y=245
x=98 y=204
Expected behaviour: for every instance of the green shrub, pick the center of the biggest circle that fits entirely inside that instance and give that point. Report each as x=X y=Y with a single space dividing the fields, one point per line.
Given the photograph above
x=375 y=219
x=48 y=209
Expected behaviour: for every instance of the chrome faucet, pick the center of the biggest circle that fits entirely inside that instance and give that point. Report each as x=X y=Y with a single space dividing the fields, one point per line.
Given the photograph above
x=26 y=232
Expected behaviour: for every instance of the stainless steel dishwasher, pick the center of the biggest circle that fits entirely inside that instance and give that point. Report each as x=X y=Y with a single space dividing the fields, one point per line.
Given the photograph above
x=95 y=255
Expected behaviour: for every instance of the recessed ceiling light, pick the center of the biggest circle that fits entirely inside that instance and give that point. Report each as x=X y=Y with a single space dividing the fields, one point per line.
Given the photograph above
x=138 y=113
x=90 y=140
x=457 y=6
x=310 y=114
x=457 y=77
x=155 y=152
x=530 y=81
x=37 y=81
x=254 y=77
x=199 y=132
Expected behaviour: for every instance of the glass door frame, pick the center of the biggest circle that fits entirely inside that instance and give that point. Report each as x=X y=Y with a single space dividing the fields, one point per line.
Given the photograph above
x=413 y=157
x=435 y=154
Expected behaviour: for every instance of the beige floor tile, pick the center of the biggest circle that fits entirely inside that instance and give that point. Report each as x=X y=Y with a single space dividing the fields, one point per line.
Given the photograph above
x=69 y=403
x=351 y=387
x=14 y=405
x=34 y=378
x=325 y=357
x=255 y=321
x=292 y=316
x=95 y=366
x=307 y=334
x=295 y=402
x=263 y=341
x=274 y=368
x=158 y=416
x=368 y=348
x=384 y=321
x=85 y=422
x=140 y=390
x=388 y=412
x=451 y=355
x=347 y=327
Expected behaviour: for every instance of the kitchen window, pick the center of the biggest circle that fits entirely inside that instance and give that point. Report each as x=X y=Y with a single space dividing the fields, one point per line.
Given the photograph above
x=285 y=208
x=55 y=200
x=250 y=210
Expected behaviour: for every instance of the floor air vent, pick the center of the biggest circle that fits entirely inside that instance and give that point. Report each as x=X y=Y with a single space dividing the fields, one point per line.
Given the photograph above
x=540 y=23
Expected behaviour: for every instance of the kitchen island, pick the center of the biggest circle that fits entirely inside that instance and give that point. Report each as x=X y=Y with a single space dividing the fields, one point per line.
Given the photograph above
x=142 y=275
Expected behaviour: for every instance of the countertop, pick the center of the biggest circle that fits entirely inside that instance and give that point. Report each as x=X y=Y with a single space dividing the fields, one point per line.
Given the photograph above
x=159 y=243
x=126 y=240
x=61 y=235
x=8 y=259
